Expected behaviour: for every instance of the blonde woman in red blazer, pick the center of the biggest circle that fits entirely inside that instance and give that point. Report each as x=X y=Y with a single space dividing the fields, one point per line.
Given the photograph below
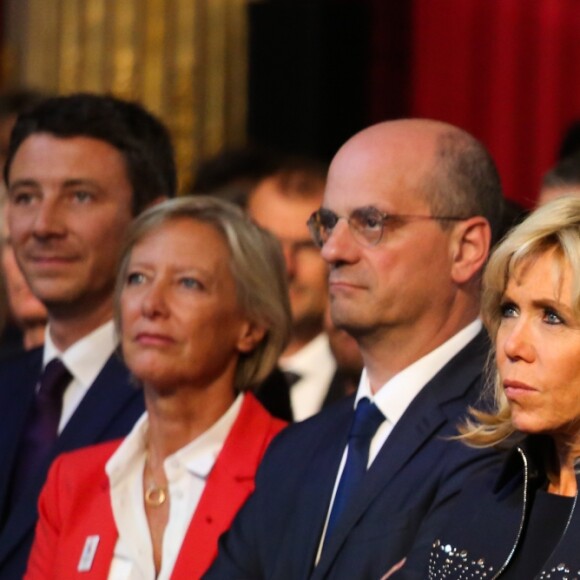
x=203 y=314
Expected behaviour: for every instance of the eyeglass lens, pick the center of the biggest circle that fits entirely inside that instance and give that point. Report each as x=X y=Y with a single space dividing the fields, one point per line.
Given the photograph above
x=366 y=225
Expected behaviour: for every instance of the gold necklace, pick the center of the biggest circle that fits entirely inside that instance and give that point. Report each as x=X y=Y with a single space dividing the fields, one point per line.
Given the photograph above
x=155 y=495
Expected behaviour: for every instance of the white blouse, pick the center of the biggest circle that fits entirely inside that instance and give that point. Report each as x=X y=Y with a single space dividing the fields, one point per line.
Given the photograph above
x=186 y=471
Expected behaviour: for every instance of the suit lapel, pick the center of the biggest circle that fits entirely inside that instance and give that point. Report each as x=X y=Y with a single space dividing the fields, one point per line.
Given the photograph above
x=304 y=529
x=105 y=399
x=395 y=453
x=229 y=484
x=419 y=423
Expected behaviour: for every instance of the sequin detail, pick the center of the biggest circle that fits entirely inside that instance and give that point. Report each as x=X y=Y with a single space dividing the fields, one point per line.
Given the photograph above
x=560 y=572
x=447 y=562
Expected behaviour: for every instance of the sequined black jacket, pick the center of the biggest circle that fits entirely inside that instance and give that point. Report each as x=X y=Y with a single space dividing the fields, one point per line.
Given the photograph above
x=486 y=523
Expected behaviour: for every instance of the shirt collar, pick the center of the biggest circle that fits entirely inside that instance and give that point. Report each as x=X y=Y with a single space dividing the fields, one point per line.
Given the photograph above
x=396 y=395
x=309 y=357
x=200 y=455
x=85 y=358
x=197 y=457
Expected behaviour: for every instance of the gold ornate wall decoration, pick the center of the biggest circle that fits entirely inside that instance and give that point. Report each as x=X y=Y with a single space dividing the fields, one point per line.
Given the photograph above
x=186 y=60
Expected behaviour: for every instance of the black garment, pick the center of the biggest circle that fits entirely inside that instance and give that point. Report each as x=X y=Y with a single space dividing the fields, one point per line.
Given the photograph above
x=274 y=394
x=546 y=523
x=492 y=526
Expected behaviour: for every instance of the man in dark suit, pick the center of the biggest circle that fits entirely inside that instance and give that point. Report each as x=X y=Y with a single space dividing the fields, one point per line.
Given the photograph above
x=405 y=228
x=78 y=169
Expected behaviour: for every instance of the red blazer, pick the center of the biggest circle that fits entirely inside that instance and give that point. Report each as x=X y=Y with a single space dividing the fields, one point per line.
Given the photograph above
x=75 y=503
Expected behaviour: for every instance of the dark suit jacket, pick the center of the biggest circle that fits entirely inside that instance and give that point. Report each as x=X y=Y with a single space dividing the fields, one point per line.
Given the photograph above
x=416 y=473
x=108 y=411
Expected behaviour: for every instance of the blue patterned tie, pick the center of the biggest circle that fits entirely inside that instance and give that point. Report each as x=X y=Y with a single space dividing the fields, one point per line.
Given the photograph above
x=365 y=423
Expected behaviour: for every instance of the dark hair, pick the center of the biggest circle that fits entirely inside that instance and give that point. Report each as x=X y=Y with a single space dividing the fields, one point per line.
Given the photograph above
x=140 y=137
x=570 y=144
x=467 y=182
x=233 y=169
x=565 y=173
x=298 y=176
x=16 y=101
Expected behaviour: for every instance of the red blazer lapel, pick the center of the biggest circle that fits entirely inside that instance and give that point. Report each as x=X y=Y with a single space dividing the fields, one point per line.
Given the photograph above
x=228 y=486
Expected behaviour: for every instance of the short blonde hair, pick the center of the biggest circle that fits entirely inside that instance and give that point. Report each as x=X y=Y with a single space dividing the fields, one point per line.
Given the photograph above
x=257 y=265
x=554 y=226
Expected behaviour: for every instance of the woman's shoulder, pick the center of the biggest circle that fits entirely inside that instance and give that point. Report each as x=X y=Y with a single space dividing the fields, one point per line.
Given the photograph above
x=478 y=528
x=86 y=458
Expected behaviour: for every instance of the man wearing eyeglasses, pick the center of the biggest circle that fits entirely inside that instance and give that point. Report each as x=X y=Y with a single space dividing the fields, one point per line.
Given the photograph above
x=408 y=217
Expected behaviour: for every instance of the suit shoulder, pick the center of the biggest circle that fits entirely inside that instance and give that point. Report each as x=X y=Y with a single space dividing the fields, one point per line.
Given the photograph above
x=29 y=359
x=462 y=381
x=313 y=429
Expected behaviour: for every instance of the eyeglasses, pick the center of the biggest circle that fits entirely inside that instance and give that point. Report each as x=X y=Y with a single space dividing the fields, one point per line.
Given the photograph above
x=367 y=224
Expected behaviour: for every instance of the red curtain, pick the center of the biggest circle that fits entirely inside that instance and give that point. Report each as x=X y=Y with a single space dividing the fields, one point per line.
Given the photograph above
x=507 y=71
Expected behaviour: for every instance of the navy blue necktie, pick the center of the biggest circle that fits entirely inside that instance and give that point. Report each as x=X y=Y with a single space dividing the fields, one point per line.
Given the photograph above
x=42 y=427
x=365 y=423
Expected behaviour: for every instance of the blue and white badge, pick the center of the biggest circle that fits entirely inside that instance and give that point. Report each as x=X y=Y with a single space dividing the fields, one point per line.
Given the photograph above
x=88 y=555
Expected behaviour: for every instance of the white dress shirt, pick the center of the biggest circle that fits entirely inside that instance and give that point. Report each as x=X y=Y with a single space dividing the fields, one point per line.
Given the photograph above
x=186 y=470
x=84 y=359
x=316 y=366
x=396 y=395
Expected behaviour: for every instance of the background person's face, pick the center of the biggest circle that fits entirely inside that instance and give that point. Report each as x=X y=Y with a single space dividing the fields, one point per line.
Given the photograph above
x=24 y=306
x=286 y=218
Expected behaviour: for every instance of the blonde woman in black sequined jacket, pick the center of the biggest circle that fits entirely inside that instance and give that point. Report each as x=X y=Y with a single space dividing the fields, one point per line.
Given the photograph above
x=523 y=522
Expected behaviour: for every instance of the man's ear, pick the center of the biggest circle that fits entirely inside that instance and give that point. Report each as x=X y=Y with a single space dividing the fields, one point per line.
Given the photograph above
x=470 y=244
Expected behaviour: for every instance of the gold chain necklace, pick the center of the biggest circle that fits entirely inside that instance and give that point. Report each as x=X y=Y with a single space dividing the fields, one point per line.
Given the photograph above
x=155 y=495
